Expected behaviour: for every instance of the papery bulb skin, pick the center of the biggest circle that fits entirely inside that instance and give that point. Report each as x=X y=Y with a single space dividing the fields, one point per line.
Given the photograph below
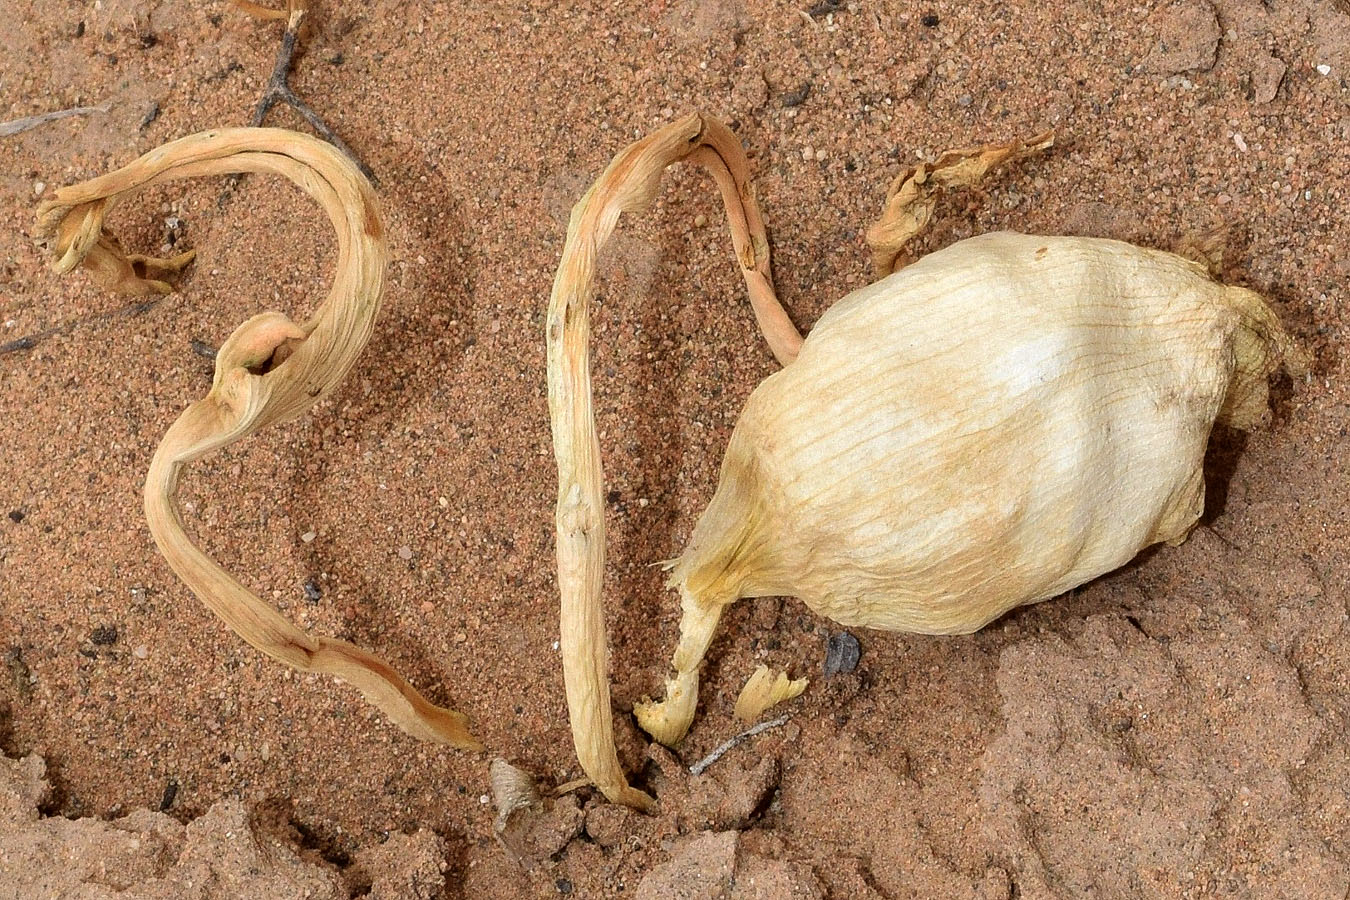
x=991 y=426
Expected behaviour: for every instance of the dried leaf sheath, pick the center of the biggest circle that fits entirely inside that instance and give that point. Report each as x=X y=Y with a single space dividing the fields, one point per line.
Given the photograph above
x=268 y=371
x=627 y=185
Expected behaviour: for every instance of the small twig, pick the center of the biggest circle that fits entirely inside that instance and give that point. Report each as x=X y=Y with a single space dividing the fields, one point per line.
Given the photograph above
x=29 y=341
x=17 y=126
x=278 y=90
x=568 y=787
x=203 y=349
x=702 y=765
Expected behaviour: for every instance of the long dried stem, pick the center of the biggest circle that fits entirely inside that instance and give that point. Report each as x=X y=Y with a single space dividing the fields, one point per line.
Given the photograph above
x=269 y=371
x=627 y=185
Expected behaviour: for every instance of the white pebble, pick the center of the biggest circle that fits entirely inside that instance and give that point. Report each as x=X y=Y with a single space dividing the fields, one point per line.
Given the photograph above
x=141 y=651
x=308 y=536
x=39 y=187
x=405 y=552
x=1241 y=144
x=1324 y=69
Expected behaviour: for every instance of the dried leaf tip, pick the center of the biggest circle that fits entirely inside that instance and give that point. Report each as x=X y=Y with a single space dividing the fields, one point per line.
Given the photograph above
x=765 y=689
x=913 y=195
x=270 y=370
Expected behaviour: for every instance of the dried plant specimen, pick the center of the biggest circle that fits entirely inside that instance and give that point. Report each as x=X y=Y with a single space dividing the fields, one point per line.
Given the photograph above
x=269 y=371
x=628 y=184
x=764 y=689
x=990 y=426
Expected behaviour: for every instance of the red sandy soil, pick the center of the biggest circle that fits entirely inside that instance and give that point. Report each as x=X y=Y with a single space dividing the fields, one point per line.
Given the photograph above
x=1175 y=729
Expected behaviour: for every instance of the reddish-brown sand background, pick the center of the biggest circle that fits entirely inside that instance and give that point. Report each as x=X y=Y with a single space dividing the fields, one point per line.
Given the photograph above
x=1178 y=728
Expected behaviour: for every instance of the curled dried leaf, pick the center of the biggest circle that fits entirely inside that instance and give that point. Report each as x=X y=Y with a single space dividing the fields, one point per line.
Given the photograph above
x=270 y=370
x=628 y=184
x=913 y=194
x=765 y=689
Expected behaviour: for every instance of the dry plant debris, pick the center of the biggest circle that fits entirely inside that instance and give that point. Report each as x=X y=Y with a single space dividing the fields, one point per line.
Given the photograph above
x=278 y=89
x=991 y=426
x=764 y=689
x=269 y=371
x=27 y=123
x=629 y=184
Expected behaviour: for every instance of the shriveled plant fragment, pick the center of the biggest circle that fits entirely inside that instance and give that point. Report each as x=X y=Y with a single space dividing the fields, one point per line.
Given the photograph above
x=991 y=426
x=764 y=689
x=278 y=89
x=628 y=184
x=269 y=371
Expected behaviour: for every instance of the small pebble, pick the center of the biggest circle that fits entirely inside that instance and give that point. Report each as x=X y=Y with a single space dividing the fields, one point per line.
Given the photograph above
x=141 y=651
x=700 y=220
x=460 y=637
x=40 y=186
x=170 y=793
x=1323 y=69
x=308 y=536
x=563 y=885
x=405 y=552
x=312 y=592
x=16 y=516
x=104 y=635
x=842 y=653
x=930 y=21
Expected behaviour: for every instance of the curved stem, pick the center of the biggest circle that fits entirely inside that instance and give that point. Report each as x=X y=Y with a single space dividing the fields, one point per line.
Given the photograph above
x=269 y=371
x=628 y=184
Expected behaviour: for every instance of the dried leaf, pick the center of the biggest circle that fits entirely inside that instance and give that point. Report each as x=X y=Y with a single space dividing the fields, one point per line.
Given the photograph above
x=764 y=689
x=912 y=196
x=628 y=184
x=269 y=371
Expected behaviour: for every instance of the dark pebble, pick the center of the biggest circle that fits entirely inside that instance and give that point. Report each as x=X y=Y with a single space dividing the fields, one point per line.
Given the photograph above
x=203 y=349
x=842 y=652
x=929 y=21
x=312 y=592
x=563 y=885
x=824 y=8
x=797 y=97
x=16 y=516
x=104 y=635
x=169 y=795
